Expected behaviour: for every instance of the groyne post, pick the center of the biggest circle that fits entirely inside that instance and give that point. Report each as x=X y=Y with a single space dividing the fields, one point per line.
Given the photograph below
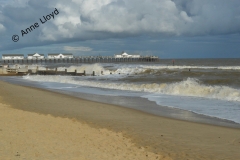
x=27 y=68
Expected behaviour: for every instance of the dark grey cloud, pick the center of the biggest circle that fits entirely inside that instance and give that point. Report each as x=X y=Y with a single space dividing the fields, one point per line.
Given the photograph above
x=80 y=20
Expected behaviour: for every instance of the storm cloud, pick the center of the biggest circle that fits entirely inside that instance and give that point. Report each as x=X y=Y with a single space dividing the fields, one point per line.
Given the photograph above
x=80 y=20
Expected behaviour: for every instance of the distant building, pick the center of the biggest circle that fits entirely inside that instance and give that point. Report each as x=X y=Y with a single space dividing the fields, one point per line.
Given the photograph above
x=12 y=56
x=35 y=56
x=125 y=55
x=59 y=55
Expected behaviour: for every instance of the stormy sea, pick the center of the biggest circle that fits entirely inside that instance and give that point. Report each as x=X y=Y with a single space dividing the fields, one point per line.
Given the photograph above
x=179 y=89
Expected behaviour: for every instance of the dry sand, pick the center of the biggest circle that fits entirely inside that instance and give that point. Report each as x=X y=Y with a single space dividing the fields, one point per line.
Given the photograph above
x=111 y=132
x=26 y=135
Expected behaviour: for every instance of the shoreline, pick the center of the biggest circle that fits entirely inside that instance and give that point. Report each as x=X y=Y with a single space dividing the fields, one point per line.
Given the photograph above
x=135 y=103
x=139 y=103
x=175 y=138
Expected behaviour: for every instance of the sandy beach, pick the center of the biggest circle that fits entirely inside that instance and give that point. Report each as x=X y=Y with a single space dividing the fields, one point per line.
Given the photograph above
x=39 y=124
x=26 y=135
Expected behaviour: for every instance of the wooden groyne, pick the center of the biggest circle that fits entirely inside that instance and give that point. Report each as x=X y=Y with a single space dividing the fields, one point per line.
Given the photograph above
x=55 y=72
x=90 y=59
x=7 y=71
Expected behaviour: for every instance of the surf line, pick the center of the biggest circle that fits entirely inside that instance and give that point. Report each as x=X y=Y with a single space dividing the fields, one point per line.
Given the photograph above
x=44 y=20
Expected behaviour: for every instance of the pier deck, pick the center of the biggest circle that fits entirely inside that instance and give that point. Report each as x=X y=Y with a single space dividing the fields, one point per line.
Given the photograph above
x=90 y=59
x=6 y=70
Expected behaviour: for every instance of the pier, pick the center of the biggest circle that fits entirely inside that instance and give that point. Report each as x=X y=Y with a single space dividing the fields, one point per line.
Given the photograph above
x=10 y=67
x=76 y=60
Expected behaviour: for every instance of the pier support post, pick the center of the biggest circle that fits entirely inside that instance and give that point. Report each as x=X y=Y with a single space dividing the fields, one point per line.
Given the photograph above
x=84 y=73
x=93 y=73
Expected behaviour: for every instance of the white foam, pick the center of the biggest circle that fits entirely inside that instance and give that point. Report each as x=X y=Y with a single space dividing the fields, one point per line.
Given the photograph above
x=141 y=69
x=130 y=70
x=189 y=87
x=191 y=67
x=215 y=108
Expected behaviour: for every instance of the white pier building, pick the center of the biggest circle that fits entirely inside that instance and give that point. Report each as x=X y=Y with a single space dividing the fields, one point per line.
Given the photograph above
x=35 y=56
x=59 y=55
x=12 y=56
x=125 y=55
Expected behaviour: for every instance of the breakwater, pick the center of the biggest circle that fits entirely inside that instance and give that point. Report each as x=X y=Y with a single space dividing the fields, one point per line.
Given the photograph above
x=6 y=70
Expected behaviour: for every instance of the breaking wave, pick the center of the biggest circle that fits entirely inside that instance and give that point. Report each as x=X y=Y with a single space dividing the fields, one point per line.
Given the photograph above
x=193 y=67
x=128 y=69
x=188 y=87
x=152 y=69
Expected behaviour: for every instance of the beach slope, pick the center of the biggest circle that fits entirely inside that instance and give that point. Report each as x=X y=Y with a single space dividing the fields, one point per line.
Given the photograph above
x=41 y=124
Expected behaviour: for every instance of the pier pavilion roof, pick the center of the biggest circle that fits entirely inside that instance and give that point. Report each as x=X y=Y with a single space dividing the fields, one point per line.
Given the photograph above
x=36 y=54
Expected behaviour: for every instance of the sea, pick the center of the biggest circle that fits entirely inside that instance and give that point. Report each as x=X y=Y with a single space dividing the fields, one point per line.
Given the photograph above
x=206 y=88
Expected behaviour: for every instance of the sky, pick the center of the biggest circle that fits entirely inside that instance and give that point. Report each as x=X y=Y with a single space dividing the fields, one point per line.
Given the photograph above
x=164 y=28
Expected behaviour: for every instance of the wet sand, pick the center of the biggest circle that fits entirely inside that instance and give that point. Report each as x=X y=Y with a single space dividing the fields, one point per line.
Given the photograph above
x=62 y=116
